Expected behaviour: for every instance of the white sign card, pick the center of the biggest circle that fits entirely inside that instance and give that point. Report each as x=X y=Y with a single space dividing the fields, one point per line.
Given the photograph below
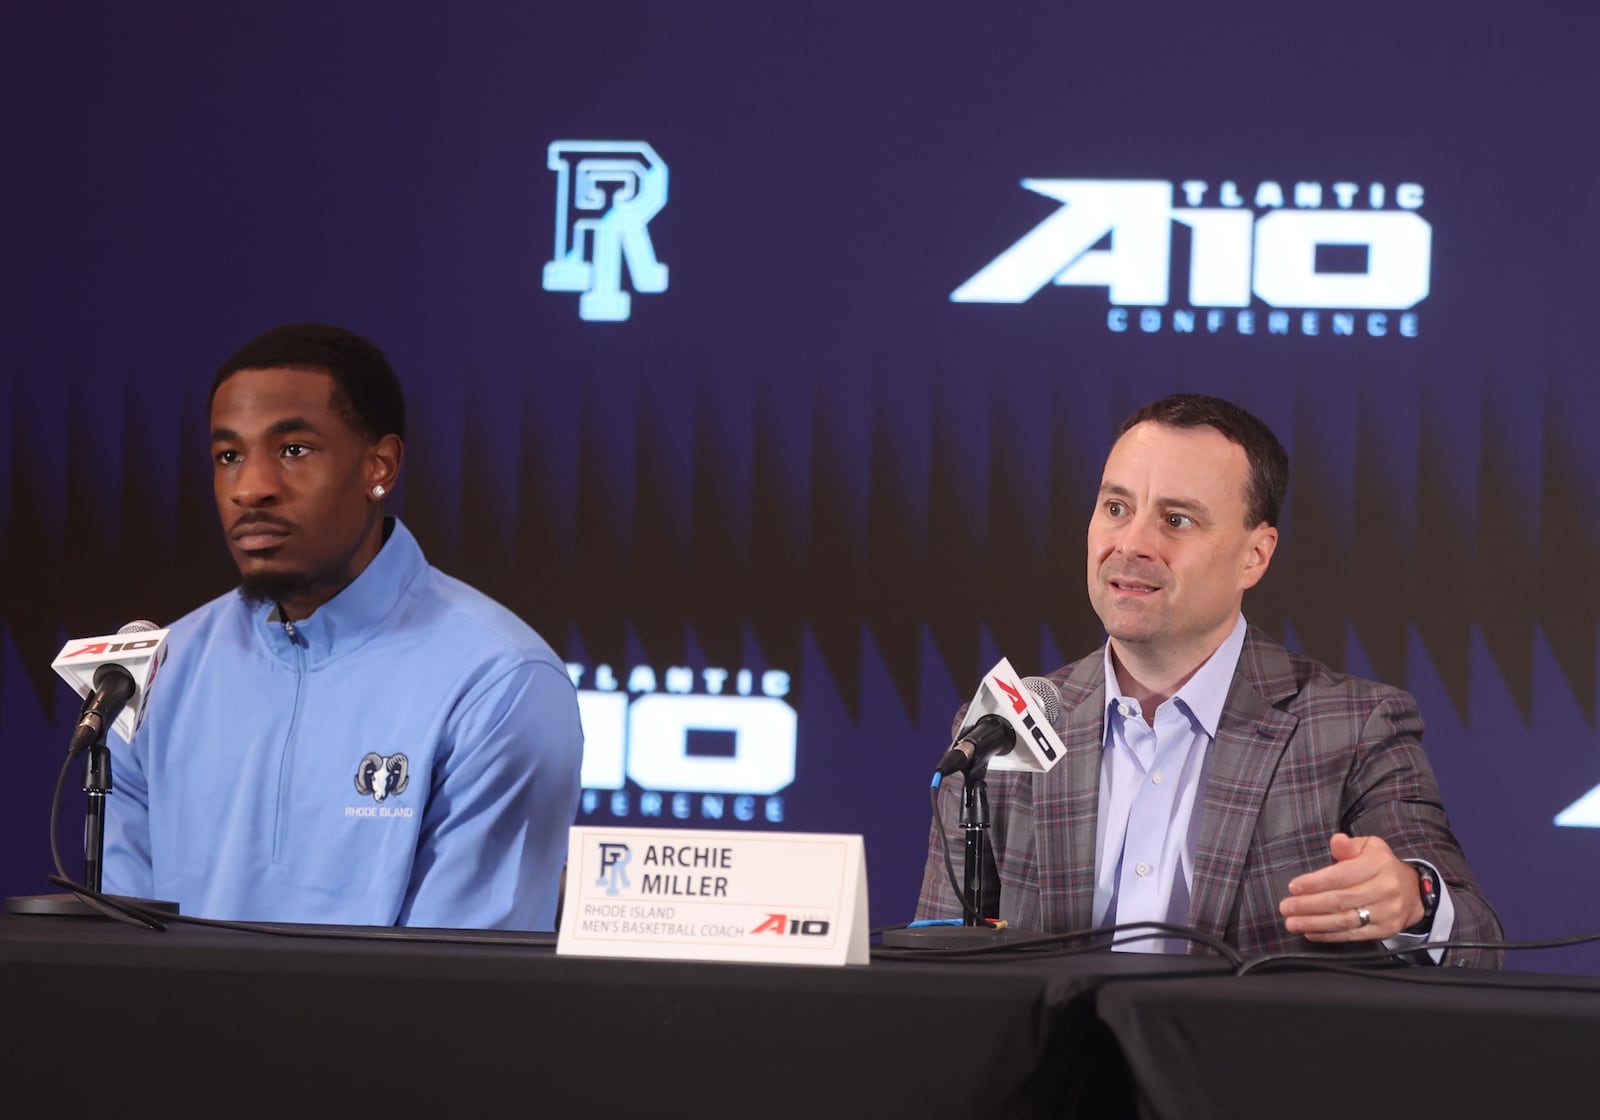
x=684 y=894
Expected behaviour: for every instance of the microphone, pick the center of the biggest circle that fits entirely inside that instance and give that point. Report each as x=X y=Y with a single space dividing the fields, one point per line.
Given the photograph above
x=113 y=688
x=114 y=675
x=994 y=735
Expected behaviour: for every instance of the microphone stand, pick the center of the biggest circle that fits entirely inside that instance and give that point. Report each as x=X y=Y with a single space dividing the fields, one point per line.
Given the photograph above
x=97 y=785
x=980 y=893
x=975 y=826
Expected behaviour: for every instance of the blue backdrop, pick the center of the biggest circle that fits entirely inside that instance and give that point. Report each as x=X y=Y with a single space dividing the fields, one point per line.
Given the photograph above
x=794 y=453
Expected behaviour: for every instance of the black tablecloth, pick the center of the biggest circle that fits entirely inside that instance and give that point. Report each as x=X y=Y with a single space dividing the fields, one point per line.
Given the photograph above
x=96 y=1017
x=1425 y=1045
x=234 y=1023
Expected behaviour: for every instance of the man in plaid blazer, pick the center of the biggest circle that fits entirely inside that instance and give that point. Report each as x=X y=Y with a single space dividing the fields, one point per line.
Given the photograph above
x=1222 y=781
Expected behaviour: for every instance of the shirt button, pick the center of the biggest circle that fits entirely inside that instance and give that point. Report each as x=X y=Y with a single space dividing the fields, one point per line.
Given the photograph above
x=1142 y=870
x=1125 y=709
x=1156 y=777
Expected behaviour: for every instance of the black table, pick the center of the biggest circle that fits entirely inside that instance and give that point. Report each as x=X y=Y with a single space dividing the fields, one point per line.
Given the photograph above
x=1415 y=1043
x=95 y=1016
x=98 y=1014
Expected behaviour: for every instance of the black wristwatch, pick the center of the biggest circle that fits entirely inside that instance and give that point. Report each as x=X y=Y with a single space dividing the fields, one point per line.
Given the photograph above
x=1428 y=884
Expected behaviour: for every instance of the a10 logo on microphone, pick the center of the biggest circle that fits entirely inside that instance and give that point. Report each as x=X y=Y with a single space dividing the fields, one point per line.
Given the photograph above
x=140 y=652
x=1003 y=693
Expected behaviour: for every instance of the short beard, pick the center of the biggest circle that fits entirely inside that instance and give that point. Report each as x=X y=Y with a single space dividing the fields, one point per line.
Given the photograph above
x=262 y=588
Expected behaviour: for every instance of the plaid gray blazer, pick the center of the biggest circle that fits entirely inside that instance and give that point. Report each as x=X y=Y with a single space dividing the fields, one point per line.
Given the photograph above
x=1301 y=753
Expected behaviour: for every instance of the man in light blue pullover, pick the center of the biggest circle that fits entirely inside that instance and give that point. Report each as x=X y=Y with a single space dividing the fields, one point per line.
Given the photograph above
x=351 y=736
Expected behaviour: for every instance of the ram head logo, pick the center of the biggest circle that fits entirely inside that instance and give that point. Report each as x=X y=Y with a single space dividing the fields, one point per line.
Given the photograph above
x=381 y=776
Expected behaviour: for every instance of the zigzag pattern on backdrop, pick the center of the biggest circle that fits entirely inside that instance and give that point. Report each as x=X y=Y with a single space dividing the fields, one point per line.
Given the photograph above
x=779 y=513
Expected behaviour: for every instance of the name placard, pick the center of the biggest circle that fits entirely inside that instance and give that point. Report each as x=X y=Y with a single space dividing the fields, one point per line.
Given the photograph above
x=683 y=894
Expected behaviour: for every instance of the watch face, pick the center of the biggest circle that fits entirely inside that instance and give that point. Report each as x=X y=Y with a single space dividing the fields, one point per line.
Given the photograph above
x=1430 y=891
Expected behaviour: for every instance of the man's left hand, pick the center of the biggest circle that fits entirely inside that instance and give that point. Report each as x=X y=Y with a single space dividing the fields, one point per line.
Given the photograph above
x=1368 y=894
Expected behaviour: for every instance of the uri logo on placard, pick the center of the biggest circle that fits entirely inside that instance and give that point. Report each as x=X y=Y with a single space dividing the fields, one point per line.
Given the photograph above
x=613 y=866
x=607 y=191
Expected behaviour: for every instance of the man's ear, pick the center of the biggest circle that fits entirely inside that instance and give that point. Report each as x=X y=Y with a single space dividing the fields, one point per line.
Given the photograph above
x=1263 y=543
x=383 y=461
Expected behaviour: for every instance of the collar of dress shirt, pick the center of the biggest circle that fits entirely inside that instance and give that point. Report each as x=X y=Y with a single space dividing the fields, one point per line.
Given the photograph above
x=1202 y=695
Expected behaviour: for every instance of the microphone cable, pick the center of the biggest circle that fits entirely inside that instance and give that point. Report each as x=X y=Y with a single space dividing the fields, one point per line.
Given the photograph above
x=1096 y=940
x=1390 y=964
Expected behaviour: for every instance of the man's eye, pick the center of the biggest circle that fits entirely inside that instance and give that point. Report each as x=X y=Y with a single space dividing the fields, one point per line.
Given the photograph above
x=1179 y=520
x=225 y=458
x=1116 y=509
x=295 y=450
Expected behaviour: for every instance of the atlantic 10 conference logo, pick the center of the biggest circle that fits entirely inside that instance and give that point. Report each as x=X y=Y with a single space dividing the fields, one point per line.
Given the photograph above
x=681 y=744
x=1340 y=259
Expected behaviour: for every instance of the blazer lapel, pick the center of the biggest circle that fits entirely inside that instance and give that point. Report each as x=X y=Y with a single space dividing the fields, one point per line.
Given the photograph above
x=1251 y=738
x=1067 y=803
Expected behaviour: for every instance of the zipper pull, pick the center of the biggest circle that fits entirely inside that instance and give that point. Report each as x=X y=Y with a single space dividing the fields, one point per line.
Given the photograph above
x=288 y=628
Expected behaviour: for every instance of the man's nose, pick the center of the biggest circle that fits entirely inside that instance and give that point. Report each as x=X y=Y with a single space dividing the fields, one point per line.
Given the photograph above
x=1138 y=536
x=254 y=483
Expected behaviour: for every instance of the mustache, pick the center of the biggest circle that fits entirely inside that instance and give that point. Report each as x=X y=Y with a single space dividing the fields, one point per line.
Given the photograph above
x=250 y=521
x=1142 y=573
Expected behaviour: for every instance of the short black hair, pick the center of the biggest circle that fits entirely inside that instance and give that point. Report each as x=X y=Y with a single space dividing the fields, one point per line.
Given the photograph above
x=366 y=391
x=1269 y=462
